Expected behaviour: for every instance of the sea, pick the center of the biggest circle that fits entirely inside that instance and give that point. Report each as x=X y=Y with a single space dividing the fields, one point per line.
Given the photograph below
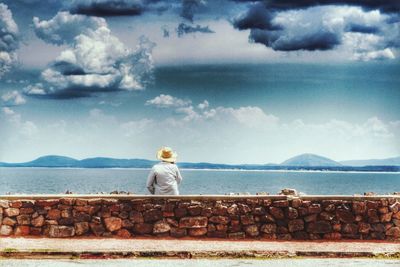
x=195 y=182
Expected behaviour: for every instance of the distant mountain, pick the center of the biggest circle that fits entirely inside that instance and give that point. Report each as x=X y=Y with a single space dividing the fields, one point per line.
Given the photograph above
x=373 y=162
x=302 y=162
x=65 y=162
x=310 y=160
x=46 y=161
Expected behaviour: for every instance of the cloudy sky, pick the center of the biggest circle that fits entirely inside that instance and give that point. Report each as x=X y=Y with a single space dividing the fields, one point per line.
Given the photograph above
x=224 y=81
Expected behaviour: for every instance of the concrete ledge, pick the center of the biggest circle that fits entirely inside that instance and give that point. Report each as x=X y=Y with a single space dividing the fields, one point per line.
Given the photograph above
x=27 y=248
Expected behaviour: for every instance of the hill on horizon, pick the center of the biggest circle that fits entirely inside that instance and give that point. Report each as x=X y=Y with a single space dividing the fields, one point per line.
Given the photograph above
x=310 y=160
x=395 y=161
x=300 y=162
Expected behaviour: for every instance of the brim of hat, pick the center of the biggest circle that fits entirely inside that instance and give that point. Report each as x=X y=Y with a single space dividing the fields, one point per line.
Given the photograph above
x=171 y=159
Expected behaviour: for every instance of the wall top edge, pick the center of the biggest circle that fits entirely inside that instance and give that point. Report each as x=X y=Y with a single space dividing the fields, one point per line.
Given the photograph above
x=198 y=197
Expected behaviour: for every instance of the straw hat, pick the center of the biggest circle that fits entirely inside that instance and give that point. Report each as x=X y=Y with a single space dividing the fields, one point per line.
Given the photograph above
x=166 y=154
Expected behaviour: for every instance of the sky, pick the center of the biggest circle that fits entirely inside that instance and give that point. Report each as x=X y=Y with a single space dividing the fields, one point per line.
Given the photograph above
x=224 y=81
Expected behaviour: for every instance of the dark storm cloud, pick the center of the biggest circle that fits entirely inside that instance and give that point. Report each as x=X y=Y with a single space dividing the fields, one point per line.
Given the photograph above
x=362 y=28
x=304 y=28
x=9 y=39
x=390 y=6
x=107 y=8
x=256 y=17
x=189 y=7
x=186 y=29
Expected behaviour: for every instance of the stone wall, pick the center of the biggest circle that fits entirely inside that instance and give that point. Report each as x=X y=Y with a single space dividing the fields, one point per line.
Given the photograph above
x=254 y=217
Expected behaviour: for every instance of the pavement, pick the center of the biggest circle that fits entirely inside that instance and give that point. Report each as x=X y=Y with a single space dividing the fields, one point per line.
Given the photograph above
x=111 y=248
x=304 y=262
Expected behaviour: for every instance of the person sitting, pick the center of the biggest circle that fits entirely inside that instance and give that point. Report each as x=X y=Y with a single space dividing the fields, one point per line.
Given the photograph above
x=164 y=176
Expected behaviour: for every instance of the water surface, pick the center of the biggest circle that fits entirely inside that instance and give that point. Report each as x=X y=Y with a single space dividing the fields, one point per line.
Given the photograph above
x=58 y=180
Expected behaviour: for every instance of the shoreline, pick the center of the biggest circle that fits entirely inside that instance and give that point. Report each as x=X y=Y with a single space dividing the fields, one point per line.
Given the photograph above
x=207 y=169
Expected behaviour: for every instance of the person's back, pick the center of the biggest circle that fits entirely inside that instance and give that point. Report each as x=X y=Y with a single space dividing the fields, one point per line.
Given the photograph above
x=164 y=177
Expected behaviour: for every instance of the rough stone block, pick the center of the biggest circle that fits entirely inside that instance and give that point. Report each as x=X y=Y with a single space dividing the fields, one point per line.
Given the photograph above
x=345 y=215
x=268 y=228
x=292 y=213
x=277 y=213
x=197 y=231
x=143 y=228
x=46 y=202
x=217 y=234
x=319 y=227
x=161 y=227
x=333 y=236
x=247 y=219
x=251 y=230
x=97 y=229
x=281 y=203
x=67 y=201
x=26 y=210
x=219 y=219
x=53 y=214
x=22 y=230
x=296 y=225
x=11 y=212
x=36 y=231
x=314 y=208
x=237 y=235
x=81 y=202
x=15 y=204
x=123 y=233
x=178 y=232
x=113 y=223
x=364 y=227
x=194 y=210
x=4 y=203
x=81 y=228
x=9 y=221
x=395 y=207
x=258 y=211
x=387 y=217
x=193 y=222
x=393 y=232
x=58 y=231
x=296 y=202
x=359 y=207
x=6 y=230
x=300 y=235
x=24 y=219
x=350 y=228
x=220 y=210
x=81 y=217
x=38 y=221
x=378 y=227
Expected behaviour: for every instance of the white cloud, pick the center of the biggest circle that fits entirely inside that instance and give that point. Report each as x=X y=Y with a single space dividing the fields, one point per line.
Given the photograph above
x=167 y=101
x=96 y=60
x=8 y=111
x=132 y=128
x=13 y=98
x=203 y=105
x=36 y=89
x=64 y=27
x=368 y=35
x=20 y=127
x=9 y=40
x=375 y=55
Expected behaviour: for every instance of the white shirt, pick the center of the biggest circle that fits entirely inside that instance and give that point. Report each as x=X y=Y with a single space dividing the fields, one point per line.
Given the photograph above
x=163 y=179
